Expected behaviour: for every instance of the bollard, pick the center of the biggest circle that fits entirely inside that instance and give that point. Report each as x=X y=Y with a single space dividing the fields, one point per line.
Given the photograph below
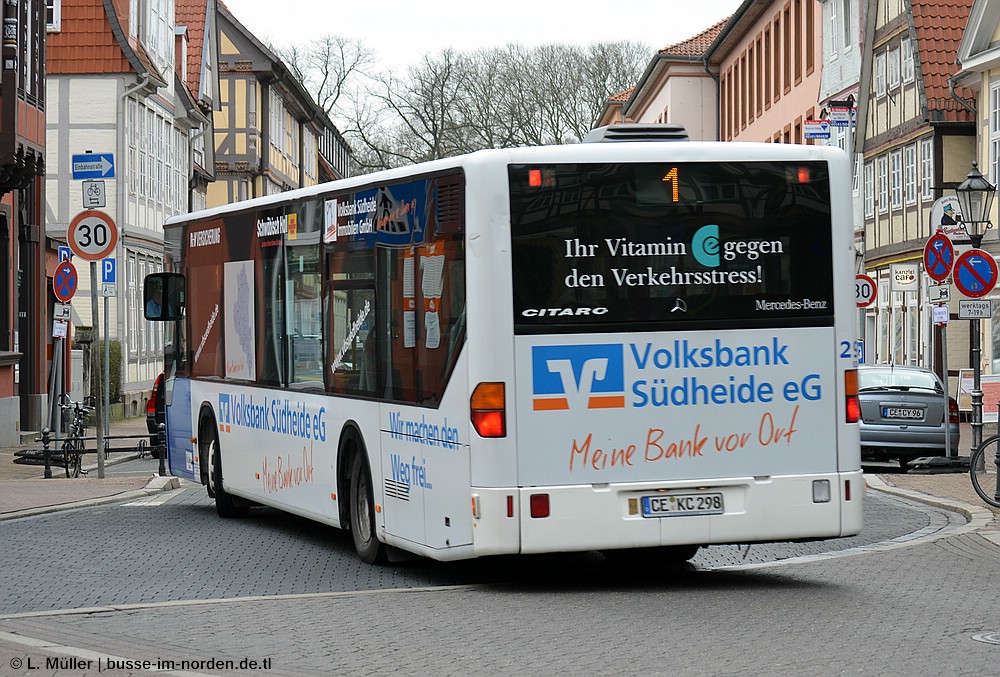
x=47 y=453
x=161 y=441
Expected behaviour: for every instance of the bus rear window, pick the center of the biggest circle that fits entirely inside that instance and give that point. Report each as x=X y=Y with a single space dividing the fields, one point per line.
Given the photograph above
x=670 y=246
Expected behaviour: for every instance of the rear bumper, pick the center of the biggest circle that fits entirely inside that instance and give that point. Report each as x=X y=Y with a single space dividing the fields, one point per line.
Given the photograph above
x=890 y=441
x=604 y=517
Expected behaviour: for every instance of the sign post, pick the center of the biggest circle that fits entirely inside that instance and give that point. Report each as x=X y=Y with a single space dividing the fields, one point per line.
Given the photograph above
x=93 y=235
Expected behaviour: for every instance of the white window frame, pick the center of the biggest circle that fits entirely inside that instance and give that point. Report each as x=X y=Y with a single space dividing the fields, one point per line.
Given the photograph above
x=906 y=49
x=894 y=68
x=880 y=78
x=133 y=314
x=53 y=8
x=882 y=176
x=833 y=47
x=912 y=330
x=847 y=26
x=869 y=190
x=896 y=179
x=926 y=170
x=910 y=175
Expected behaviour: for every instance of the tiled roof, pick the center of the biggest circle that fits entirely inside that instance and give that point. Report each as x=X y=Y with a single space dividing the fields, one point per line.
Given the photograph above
x=85 y=43
x=939 y=26
x=622 y=96
x=697 y=45
x=192 y=15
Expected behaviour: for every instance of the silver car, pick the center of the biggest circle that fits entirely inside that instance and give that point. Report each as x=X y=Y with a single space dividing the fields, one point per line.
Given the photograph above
x=903 y=414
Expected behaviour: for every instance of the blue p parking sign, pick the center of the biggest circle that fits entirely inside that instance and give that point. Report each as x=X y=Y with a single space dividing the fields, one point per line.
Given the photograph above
x=109 y=273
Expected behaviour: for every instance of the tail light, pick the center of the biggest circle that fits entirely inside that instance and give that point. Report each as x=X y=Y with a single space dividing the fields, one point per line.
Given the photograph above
x=151 y=403
x=489 y=414
x=952 y=410
x=853 y=407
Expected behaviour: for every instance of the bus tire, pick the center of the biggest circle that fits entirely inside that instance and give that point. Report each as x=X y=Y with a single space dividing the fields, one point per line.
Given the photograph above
x=370 y=550
x=226 y=505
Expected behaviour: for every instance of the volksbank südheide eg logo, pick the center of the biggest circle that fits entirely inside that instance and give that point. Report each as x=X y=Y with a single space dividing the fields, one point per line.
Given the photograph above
x=578 y=377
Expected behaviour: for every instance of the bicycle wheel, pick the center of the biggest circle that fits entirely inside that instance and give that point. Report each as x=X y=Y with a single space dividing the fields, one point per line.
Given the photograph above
x=983 y=471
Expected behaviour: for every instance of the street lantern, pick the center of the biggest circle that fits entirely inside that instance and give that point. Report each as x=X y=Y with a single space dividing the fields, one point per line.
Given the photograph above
x=975 y=195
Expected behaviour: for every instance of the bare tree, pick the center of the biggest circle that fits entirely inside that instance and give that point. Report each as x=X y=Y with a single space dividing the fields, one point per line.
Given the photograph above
x=452 y=103
x=327 y=66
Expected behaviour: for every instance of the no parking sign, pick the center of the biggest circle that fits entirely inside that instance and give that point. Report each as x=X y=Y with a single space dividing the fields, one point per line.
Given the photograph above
x=975 y=273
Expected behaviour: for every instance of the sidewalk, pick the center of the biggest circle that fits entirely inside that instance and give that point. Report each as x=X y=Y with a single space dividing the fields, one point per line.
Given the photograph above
x=24 y=491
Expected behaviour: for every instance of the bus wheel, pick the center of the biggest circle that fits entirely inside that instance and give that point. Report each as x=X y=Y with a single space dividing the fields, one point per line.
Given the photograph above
x=225 y=503
x=362 y=502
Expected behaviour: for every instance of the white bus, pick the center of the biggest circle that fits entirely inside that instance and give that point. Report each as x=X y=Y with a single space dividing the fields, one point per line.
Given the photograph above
x=601 y=346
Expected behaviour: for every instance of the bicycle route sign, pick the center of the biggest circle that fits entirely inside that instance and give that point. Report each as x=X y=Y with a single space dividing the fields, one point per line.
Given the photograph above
x=65 y=281
x=975 y=273
x=939 y=257
x=94 y=194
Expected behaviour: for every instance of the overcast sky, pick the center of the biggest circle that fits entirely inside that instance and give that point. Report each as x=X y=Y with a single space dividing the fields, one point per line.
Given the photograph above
x=400 y=31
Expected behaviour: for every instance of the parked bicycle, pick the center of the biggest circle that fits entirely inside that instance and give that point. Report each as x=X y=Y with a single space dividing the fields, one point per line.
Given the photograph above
x=73 y=443
x=983 y=470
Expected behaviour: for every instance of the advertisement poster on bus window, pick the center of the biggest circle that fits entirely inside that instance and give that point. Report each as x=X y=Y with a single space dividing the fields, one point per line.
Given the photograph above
x=238 y=320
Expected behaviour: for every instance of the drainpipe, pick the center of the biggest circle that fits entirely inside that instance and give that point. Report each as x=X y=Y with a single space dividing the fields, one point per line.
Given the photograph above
x=718 y=99
x=951 y=89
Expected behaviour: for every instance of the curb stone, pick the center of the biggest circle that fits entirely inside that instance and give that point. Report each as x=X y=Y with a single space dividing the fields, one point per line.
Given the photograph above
x=978 y=517
x=155 y=485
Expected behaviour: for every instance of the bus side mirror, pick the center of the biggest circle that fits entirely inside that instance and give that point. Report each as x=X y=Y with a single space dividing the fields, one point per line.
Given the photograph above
x=163 y=297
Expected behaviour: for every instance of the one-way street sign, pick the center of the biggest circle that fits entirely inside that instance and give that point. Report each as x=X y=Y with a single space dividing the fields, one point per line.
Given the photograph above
x=94 y=166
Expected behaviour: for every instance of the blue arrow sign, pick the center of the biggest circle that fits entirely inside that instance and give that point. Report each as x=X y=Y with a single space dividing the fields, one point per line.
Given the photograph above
x=94 y=166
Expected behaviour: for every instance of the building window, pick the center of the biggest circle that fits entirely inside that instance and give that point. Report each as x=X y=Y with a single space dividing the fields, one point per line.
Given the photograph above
x=896 y=178
x=869 y=190
x=912 y=330
x=133 y=314
x=880 y=74
x=893 y=66
x=846 y=25
x=787 y=46
x=910 y=175
x=810 y=36
x=776 y=59
x=53 y=15
x=768 y=58
x=833 y=21
x=882 y=166
x=906 y=49
x=926 y=170
x=758 y=76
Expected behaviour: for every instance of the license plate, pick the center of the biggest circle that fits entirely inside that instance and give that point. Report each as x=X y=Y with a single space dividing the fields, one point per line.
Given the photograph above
x=676 y=505
x=895 y=412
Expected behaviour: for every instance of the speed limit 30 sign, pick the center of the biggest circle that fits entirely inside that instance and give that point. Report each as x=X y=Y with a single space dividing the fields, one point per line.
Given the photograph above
x=864 y=290
x=92 y=235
